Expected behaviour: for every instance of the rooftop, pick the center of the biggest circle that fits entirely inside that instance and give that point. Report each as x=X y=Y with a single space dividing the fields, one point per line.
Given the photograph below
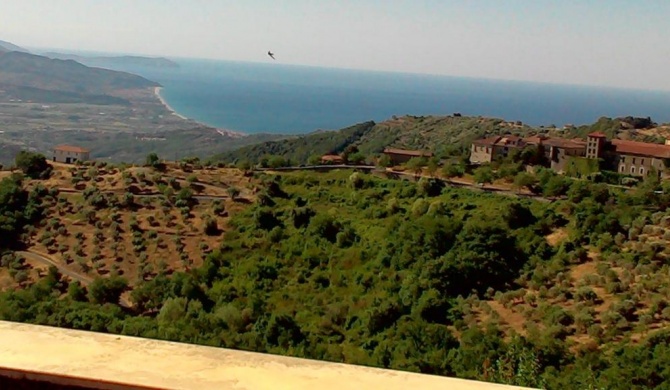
x=70 y=357
x=506 y=140
x=331 y=157
x=641 y=148
x=70 y=148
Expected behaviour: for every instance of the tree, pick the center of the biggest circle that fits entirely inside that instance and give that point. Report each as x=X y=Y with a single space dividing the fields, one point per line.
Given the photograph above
x=453 y=170
x=76 y=292
x=107 y=290
x=277 y=162
x=525 y=180
x=384 y=161
x=519 y=366
x=416 y=165
x=33 y=165
x=432 y=166
x=484 y=175
x=356 y=158
x=152 y=160
x=233 y=192
x=211 y=227
x=556 y=186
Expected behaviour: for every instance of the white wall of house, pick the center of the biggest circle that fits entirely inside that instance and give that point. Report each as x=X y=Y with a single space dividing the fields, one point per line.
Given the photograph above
x=67 y=157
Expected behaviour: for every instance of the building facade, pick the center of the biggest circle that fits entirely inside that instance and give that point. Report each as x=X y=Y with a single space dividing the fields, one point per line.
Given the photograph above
x=626 y=157
x=486 y=150
x=401 y=156
x=70 y=154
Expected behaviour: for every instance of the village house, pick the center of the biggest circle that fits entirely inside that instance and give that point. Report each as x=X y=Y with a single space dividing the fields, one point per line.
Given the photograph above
x=401 y=156
x=486 y=150
x=70 y=154
x=558 y=151
x=626 y=157
x=629 y=157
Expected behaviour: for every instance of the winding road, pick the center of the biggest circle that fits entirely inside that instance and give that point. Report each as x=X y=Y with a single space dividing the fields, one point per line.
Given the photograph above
x=83 y=279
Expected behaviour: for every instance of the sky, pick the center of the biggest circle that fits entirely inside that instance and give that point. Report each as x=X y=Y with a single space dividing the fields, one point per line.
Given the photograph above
x=617 y=43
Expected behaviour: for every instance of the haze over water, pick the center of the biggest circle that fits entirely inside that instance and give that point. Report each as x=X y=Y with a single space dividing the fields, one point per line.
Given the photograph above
x=276 y=98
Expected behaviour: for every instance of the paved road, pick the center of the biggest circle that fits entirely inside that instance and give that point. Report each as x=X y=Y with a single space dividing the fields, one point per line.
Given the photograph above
x=83 y=279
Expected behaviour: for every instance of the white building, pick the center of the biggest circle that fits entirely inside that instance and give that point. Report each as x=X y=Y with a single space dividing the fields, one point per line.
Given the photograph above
x=70 y=154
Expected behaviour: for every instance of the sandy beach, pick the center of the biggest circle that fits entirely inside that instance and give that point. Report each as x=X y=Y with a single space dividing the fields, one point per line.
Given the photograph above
x=157 y=91
x=222 y=132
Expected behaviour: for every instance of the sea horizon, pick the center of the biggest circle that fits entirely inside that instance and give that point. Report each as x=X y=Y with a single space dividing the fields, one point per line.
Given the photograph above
x=256 y=97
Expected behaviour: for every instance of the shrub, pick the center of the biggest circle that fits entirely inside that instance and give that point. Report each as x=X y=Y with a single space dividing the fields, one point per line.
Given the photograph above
x=33 y=165
x=211 y=226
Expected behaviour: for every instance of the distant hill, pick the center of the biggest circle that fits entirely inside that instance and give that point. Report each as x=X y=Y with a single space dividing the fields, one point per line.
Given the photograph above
x=6 y=46
x=153 y=62
x=37 y=78
x=448 y=135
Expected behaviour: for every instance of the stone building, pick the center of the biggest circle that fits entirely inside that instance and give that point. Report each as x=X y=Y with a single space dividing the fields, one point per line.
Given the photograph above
x=626 y=157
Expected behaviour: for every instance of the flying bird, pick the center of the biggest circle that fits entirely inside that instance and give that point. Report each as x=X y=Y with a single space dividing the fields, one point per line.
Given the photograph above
x=271 y=54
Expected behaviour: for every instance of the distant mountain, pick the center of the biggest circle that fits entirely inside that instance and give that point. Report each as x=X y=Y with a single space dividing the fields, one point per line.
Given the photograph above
x=31 y=77
x=157 y=62
x=6 y=46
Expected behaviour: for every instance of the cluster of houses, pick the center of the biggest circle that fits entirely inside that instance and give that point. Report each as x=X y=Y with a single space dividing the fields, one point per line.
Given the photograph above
x=626 y=157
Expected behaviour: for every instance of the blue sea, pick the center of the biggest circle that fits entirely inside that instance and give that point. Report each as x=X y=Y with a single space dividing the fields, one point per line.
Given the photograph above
x=275 y=98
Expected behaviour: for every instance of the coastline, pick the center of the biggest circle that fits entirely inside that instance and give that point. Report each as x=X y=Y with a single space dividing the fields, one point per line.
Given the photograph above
x=157 y=92
x=222 y=132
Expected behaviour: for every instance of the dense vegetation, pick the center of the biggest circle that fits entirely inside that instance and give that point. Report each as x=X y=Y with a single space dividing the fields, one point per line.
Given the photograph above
x=446 y=136
x=418 y=276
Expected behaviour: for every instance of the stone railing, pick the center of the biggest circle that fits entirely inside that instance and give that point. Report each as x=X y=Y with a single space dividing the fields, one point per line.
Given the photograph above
x=39 y=357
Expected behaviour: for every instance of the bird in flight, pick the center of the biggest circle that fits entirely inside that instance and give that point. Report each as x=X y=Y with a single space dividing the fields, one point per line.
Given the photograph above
x=271 y=54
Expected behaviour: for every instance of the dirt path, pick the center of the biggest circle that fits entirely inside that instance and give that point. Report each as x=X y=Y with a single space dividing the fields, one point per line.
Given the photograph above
x=83 y=279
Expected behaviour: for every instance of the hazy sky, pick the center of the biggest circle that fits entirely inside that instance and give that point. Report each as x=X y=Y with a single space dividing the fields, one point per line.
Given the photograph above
x=610 y=42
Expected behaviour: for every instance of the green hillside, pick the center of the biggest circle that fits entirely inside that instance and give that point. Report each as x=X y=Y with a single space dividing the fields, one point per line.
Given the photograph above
x=298 y=149
x=350 y=267
x=448 y=135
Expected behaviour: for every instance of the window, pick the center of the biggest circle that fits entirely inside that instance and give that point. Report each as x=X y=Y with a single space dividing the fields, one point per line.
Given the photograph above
x=622 y=169
x=633 y=160
x=632 y=170
x=623 y=159
x=641 y=161
x=641 y=171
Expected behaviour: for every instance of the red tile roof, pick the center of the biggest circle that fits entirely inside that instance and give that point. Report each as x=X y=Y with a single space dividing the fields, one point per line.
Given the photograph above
x=598 y=134
x=73 y=149
x=565 y=143
x=535 y=139
x=413 y=153
x=641 y=148
x=490 y=141
x=505 y=140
